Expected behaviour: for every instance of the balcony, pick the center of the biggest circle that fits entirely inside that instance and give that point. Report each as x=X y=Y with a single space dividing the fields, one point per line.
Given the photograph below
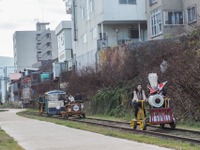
x=127 y=40
x=38 y=37
x=101 y=44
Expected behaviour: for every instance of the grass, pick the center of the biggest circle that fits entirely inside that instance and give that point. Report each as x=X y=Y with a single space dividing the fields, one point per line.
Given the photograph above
x=189 y=125
x=3 y=110
x=9 y=104
x=8 y=143
x=119 y=134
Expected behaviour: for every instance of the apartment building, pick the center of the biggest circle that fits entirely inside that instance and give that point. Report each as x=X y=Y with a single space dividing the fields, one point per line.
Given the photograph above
x=191 y=9
x=34 y=48
x=64 y=37
x=169 y=18
x=98 y=24
x=46 y=44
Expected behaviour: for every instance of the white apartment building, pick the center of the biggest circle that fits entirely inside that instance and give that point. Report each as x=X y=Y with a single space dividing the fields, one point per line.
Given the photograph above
x=64 y=37
x=170 y=18
x=98 y=24
x=191 y=9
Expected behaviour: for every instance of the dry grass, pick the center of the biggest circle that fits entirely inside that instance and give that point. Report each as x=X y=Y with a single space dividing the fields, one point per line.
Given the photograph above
x=8 y=143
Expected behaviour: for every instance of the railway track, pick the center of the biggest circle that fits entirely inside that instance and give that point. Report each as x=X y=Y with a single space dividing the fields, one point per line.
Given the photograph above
x=151 y=127
x=190 y=136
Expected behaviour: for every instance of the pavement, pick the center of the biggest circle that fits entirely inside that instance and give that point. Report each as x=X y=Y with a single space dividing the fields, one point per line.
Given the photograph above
x=40 y=135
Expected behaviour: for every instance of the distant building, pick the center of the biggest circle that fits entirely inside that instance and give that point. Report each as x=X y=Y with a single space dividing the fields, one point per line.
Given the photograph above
x=46 y=45
x=6 y=67
x=14 y=83
x=98 y=24
x=34 y=48
x=6 y=61
x=24 y=46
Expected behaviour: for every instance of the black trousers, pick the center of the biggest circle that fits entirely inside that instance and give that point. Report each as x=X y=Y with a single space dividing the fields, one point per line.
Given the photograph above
x=137 y=106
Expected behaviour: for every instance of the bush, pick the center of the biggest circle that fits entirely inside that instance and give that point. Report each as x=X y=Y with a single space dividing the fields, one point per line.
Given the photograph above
x=109 y=86
x=10 y=104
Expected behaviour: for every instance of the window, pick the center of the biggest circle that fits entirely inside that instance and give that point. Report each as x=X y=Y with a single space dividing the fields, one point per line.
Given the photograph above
x=151 y=2
x=127 y=1
x=173 y=18
x=192 y=16
x=49 y=52
x=156 y=22
x=94 y=33
x=88 y=10
x=84 y=38
x=91 y=6
x=82 y=13
x=62 y=56
x=48 y=35
x=48 y=44
x=134 y=34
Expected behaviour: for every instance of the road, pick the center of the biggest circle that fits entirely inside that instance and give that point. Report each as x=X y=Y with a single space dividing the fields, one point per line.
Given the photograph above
x=40 y=135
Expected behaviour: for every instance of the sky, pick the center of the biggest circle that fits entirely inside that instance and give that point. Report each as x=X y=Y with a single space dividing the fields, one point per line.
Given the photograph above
x=22 y=15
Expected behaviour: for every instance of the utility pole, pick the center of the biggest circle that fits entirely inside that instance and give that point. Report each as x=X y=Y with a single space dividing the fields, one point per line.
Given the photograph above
x=4 y=84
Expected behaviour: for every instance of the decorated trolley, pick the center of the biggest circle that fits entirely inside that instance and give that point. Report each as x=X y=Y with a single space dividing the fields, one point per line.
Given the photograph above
x=160 y=112
x=52 y=103
x=72 y=108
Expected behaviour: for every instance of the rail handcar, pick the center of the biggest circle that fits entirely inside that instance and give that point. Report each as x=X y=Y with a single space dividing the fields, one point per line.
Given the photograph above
x=74 y=108
x=53 y=104
x=157 y=116
x=160 y=112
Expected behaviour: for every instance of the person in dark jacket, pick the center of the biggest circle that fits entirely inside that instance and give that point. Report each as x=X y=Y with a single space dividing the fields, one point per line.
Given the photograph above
x=41 y=103
x=78 y=97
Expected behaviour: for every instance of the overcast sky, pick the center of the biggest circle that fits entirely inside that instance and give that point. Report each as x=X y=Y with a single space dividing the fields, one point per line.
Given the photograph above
x=22 y=15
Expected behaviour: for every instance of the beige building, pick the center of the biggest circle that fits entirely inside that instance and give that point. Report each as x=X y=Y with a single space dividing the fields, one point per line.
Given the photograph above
x=98 y=24
x=167 y=18
x=192 y=11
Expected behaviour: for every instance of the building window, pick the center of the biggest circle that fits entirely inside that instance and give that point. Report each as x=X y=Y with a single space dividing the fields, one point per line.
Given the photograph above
x=151 y=2
x=63 y=39
x=91 y=6
x=192 y=16
x=88 y=9
x=94 y=33
x=48 y=44
x=134 y=34
x=127 y=1
x=48 y=35
x=156 y=22
x=84 y=38
x=173 y=18
x=49 y=53
x=82 y=13
x=62 y=56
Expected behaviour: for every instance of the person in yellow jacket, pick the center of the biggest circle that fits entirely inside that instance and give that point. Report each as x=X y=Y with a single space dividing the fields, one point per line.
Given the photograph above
x=138 y=94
